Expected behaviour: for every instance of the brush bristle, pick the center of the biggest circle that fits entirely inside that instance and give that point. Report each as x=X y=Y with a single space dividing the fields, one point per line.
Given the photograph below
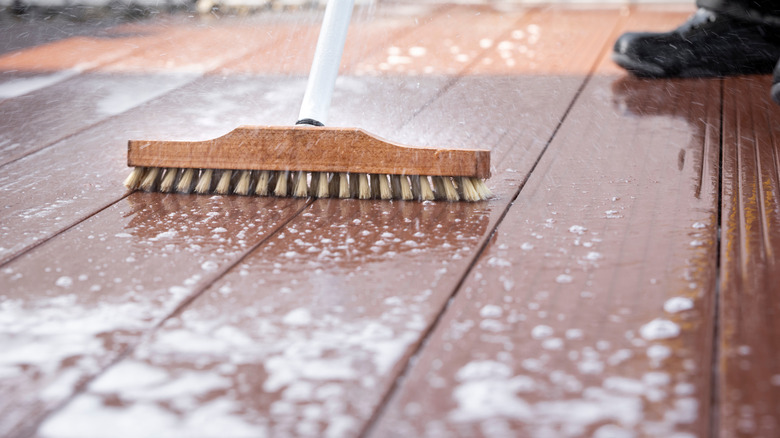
x=244 y=182
x=482 y=188
x=263 y=183
x=322 y=188
x=364 y=190
x=406 y=189
x=223 y=185
x=169 y=180
x=385 y=191
x=445 y=189
x=185 y=182
x=374 y=181
x=204 y=182
x=150 y=178
x=395 y=185
x=334 y=185
x=426 y=192
x=467 y=190
x=134 y=179
x=281 y=184
x=354 y=185
x=415 y=180
x=344 y=189
x=314 y=187
x=314 y=184
x=301 y=187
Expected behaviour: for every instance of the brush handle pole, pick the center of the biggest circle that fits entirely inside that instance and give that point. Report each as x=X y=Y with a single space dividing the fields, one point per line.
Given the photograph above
x=327 y=58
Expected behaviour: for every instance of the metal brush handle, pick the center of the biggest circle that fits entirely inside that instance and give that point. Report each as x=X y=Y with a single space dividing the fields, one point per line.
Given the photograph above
x=325 y=67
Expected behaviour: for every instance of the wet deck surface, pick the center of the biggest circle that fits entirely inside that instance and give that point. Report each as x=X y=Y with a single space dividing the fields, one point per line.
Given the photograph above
x=621 y=282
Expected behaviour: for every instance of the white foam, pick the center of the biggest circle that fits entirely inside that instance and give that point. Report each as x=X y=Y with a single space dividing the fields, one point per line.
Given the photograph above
x=491 y=311
x=658 y=353
x=64 y=281
x=483 y=369
x=128 y=374
x=88 y=417
x=552 y=344
x=678 y=304
x=541 y=332
x=209 y=265
x=417 y=51
x=659 y=329
x=298 y=317
x=20 y=86
x=489 y=398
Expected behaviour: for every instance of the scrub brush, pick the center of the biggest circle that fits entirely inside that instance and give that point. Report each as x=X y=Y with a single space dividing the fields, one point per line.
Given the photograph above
x=309 y=159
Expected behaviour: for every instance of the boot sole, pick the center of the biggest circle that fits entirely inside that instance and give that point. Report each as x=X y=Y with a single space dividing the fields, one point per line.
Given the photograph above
x=776 y=92
x=648 y=70
x=638 y=68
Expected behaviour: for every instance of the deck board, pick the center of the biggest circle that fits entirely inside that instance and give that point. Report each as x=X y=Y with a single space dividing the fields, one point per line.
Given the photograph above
x=33 y=68
x=40 y=119
x=565 y=309
x=749 y=380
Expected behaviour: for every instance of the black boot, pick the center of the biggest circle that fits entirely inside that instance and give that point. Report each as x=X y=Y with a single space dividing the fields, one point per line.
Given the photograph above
x=776 y=83
x=706 y=45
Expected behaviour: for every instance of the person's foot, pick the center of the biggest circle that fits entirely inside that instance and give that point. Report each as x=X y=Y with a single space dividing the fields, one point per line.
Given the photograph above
x=776 y=83
x=706 y=45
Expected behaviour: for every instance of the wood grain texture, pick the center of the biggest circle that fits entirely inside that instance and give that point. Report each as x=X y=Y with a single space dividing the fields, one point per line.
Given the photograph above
x=749 y=367
x=310 y=149
x=591 y=310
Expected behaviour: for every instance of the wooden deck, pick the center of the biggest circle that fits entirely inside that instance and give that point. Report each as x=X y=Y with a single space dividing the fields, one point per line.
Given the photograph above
x=621 y=282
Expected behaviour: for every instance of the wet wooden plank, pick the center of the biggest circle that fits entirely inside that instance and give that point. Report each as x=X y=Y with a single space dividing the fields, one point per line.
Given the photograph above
x=84 y=52
x=309 y=332
x=37 y=120
x=172 y=43
x=37 y=29
x=591 y=310
x=748 y=391
x=37 y=67
x=76 y=304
